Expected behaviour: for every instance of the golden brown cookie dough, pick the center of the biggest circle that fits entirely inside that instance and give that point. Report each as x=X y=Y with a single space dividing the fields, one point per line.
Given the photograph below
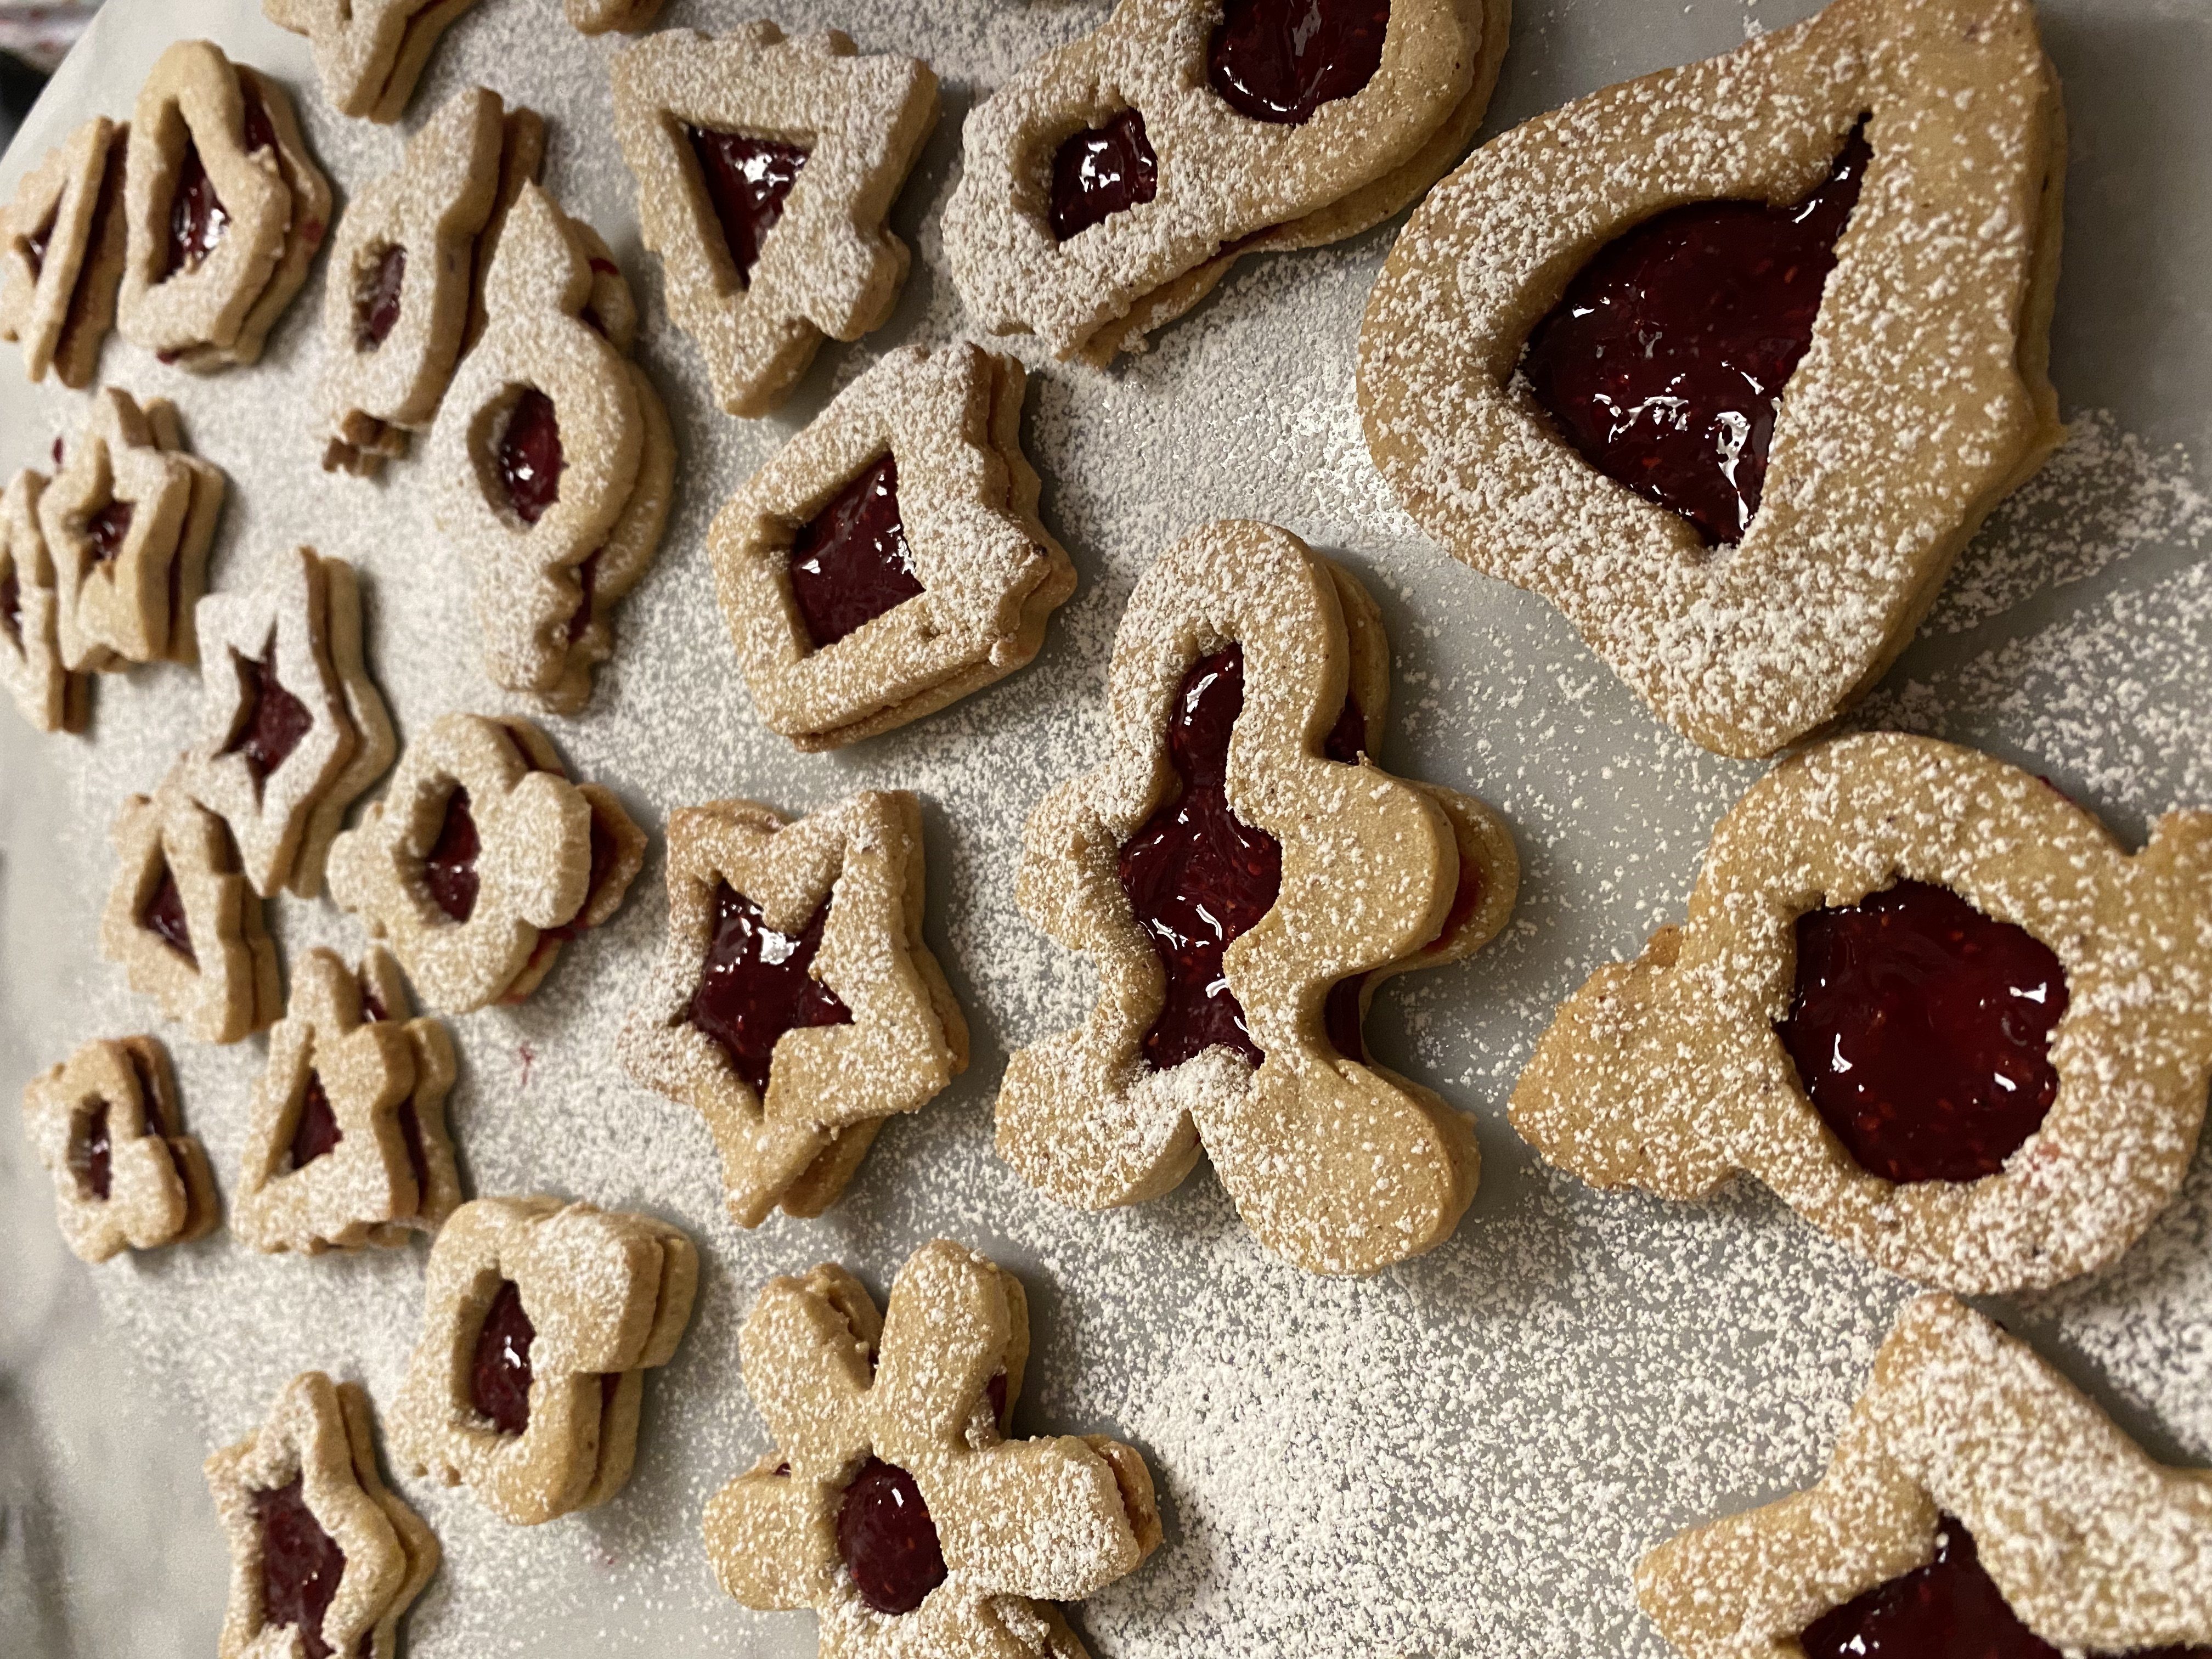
x=61 y=253
x=51 y=696
x=105 y=1124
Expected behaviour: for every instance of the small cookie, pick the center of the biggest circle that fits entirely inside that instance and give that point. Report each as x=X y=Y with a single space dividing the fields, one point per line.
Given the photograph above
x=797 y=1004
x=539 y=1321
x=481 y=859
x=61 y=253
x=1929 y=1001
x=325 y=1558
x=368 y=53
x=765 y=168
x=107 y=1127
x=894 y=1505
x=889 y=559
x=1243 y=875
x=53 y=698
x=430 y=1156
x=1976 y=1502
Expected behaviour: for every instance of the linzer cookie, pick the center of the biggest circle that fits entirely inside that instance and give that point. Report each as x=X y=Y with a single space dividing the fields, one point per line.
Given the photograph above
x=539 y=1323
x=889 y=559
x=1976 y=1502
x=61 y=253
x=105 y=1124
x=1671 y=356
x=1242 y=876
x=765 y=168
x=483 y=860
x=325 y=1558
x=894 y=1504
x=1929 y=1001
x=51 y=696
x=1107 y=188
x=368 y=53
x=797 y=1004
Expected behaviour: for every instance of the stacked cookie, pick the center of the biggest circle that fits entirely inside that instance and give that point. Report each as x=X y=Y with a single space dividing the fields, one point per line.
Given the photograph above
x=50 y=695
x=61 y=253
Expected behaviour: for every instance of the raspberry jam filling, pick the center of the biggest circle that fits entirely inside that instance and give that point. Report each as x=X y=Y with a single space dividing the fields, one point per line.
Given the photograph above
x=197 y=218
x=887 y=1540
x=106 y=529
x=498 y=1371
x=449 y=868
x=530 y=456
x=260 y=130
x=1197 y=876
x=747 y=179
x=1664 y=363
x=1921 y=1029
x=376 y=300
x=851 y=563
x=92 y=1154
x=1101 y=171
x=756 y=986
x=300 y=1564
x=1280 y=60
x=317 y=1132
x=275 y=720
x=11 y=607
x=164 y=916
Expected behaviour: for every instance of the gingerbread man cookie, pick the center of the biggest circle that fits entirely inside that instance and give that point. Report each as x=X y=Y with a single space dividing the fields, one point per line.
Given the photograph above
x=1929 y=1001
x=797 y=1004
x=51 y=696
x=1242 y=876
x=894 y=1505
x=483 y=859
x=1670 y=355
x=539 y=1323
x=889 y=559
x=368 y=53
x=1977 y=1501
x=61 y=253
x=107 y=1127
x=765 y=168
x=1107 y=188
x=325 y=1558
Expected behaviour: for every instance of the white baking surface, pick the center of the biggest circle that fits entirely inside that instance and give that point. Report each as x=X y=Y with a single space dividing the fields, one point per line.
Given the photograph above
x=1464 y=1455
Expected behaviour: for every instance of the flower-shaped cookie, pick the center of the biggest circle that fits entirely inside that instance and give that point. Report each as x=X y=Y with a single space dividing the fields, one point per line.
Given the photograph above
x=1972 y=1475
x=483 y=859
x=51 y=698
x=1530 y=373
x=893 y=1504
x=105 y=1124
x=889 y=559
x=765 y=168
x=61 y=254
x=1107 y=188
x=539 y=1321
x=325 y=1558
x=1242 y=876
x=368 y=53
x=797 y=1004
x=1928 y=1000
x=184 y=920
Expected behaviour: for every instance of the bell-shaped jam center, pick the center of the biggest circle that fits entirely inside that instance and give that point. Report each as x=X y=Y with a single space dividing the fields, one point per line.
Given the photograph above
x=1102 y=170
x=1664 y=363
x=887 y=1540
x=1921 y=1029
x=530 y=456
x=274 y=720
x=1197 y=875
x=1280 y=60
x=851 y=562
x=107 y=529
x=449 y=868
x=747 y=179
x=376 y=300
x=91 y=1154
x=164 y=915
x=300 y=1564
x=756 y=986
x=498 y=1371
x=317 y=1132
x=198 y=219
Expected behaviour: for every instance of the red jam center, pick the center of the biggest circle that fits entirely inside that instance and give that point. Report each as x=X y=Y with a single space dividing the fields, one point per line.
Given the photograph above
x=300 y=1564
x=275 y=720
x=887 y=1540
x=852 y=563
x=376 y=303
x=316 y=1131
x=11 y=607
x=747 y=179
x=91 y=1158
x=756 y=986
x=1921 y=1029
x=449 y=868
x=530 y=456
x=1664 y=363
x=1101 y=171
x=1280 y=60
x=164 y=916
x=198 y=219
x=1197 y=876
x=260 y=130
x=106 y=529
x=499 y=1373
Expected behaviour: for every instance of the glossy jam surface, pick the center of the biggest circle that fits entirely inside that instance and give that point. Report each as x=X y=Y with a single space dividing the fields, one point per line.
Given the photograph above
x=851 y=563
x=106 y=529
x=164 y=916
x=747 y=179
x=498 y=1371
x=317 y=1133
x=1280 y=60
x=887 y=1540
x=198 y=219
x=530 y=456
x=1921 y=1029
x=275 y=720
x=1196 y=875
x=1101 y=171
x=376 y=302
x=449 y=868
x=756 y=986
x=92 y=1155
x=300 y=1564
x=1664 y=363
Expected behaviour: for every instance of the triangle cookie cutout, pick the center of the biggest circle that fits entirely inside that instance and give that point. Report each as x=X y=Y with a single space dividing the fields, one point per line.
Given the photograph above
x=61 y=253
x=368 y=53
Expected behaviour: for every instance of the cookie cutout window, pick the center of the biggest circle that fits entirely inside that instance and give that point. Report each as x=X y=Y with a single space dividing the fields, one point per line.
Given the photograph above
x=107 y=1127
x=49 y=695
x=368 y=53
x=61 y=254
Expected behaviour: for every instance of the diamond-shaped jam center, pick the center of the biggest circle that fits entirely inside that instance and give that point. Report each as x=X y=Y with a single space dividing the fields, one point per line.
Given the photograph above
x=851 y=563
x=449 y=868
x=756 y=984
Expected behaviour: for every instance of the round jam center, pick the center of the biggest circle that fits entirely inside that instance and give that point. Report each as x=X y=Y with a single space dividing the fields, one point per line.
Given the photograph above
x=317 y=1132
x=376 y=304
x=851 y=562
x=198 y=219
x=106 y=529
x=1101 y=171
x=449 y=869
x=164 y=916
x=747 y=180
x=300 y=1564
x=1280 y=60
x=275 y=720
x=498 y=1371
x=887 y=1540
x=756 y=984
x=92 y=1156
x=1664 y=363
x=1921 y=1029
x=530 y=456
x=1197 y=876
